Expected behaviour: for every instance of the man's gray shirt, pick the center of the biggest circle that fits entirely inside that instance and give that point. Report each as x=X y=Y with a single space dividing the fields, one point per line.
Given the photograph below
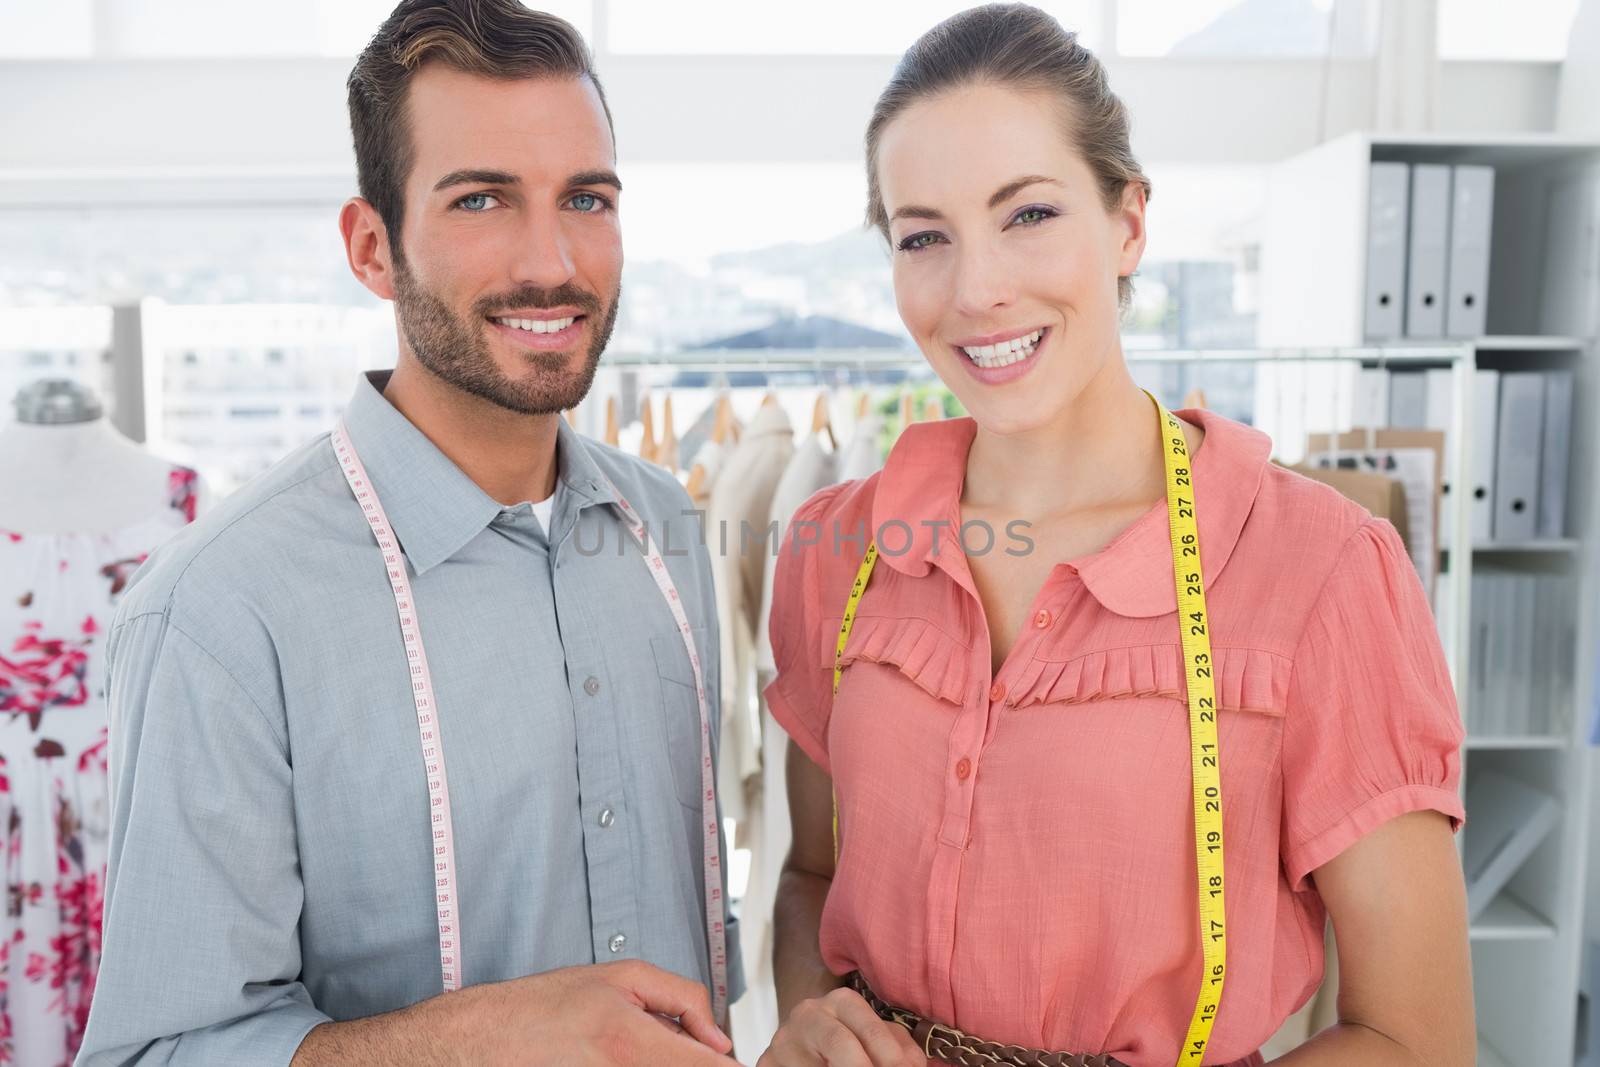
x=271 y=852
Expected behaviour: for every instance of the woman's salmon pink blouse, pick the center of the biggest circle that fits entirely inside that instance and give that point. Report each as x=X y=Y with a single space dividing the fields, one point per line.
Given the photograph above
x=1017 y=848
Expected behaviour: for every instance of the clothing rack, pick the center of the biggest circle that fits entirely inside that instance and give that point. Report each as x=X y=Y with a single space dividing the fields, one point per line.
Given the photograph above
x=902 y=358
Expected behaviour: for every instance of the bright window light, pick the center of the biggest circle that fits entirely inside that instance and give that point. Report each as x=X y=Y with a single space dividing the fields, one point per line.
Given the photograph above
x=821 y=27
x=62 y=29
x=1245 y=28
x=1490 y=29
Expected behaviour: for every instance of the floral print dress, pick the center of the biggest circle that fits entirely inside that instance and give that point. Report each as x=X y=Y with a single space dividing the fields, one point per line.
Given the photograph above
x=57 y=595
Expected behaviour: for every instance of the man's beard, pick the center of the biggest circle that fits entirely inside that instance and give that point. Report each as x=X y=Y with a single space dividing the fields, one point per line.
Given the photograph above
x=458 y=352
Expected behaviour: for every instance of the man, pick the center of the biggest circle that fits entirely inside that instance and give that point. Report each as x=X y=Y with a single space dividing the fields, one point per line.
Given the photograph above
x=306 y=861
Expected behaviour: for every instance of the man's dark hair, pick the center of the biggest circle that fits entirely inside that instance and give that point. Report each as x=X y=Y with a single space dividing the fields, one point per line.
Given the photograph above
x=490 y=38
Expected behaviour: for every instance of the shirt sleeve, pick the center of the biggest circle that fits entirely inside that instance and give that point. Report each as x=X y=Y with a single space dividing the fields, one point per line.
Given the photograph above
x=200 y=961
x=800 y=697
x=1372 y=730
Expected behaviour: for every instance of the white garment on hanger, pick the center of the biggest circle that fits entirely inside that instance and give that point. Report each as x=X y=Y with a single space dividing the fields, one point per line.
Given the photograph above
x=861 y=456
x=709 y=458
x=813 y=467
x=738 y=511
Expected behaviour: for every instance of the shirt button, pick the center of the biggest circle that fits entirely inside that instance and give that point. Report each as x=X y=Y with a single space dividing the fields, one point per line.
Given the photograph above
x=617 y=942
x=1042 y=619
x=997 y=692
x=591 y=685
x=963 y=768
x=607 y=817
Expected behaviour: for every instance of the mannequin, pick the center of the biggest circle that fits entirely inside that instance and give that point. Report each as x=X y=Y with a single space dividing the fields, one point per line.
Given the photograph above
x=81 y=507
x=64 y=469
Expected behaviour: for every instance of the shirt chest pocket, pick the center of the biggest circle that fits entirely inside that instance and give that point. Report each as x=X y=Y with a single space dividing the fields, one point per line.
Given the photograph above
x=679 y=718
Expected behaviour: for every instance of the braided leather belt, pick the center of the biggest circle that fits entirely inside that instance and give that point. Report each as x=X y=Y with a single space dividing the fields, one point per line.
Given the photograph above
x=949 y=1045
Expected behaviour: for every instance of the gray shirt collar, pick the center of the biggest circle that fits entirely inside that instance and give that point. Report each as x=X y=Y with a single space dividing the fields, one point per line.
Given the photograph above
x=433 y=507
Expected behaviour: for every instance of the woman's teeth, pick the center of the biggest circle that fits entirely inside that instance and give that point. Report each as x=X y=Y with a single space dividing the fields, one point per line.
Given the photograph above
x=539 y=325
x=1004 y=353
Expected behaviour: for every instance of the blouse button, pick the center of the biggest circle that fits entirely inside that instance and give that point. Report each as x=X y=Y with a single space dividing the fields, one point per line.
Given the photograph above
x=1042 y=619
x=997 y=692
x=963 y=768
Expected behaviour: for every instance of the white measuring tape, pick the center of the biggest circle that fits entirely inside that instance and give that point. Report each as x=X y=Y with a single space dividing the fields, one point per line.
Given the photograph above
x=446 y=897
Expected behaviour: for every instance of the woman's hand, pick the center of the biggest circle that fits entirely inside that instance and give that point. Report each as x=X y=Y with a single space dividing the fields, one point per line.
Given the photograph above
x=840 y=1029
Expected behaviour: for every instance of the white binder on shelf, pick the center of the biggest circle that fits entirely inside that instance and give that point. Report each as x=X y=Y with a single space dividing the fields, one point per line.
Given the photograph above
x=1516 y=474
x=1388 y=188
x=1440 y=415
x=1471 y=215
x=1555 y=454
x=1371 y=407
x=1570 y=293
x=1427 y=256
x=1480 y=464
x=1408 y=400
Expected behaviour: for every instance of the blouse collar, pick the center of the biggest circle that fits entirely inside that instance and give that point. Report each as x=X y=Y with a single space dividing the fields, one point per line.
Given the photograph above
x=917 y=507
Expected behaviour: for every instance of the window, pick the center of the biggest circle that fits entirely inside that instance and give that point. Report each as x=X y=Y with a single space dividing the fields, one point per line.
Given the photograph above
x=821 y=27
x=60 y=29
x=188 y=28
x=1245 y=28
x=1487 y=29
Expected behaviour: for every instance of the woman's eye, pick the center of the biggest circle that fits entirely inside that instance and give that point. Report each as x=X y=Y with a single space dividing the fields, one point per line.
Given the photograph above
x=589 y=203
x=1032 y=216
x=919 y=241
x=477 y=203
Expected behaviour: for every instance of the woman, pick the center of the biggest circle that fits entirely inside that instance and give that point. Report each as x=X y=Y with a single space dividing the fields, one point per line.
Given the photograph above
x=1012 y=734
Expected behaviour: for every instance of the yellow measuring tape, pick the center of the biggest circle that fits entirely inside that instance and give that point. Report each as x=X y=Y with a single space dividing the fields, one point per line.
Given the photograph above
x=1194 y=627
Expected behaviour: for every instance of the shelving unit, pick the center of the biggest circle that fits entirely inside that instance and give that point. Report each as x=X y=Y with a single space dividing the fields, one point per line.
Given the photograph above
x=1543 y=313
x=1508 y=919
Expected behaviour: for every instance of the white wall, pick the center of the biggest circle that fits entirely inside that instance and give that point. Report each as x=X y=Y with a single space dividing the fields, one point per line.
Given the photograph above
x=288 y=114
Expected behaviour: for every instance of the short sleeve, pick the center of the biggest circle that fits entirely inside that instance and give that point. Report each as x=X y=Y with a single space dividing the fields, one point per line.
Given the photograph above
x=1372 y=730
x=800 y=697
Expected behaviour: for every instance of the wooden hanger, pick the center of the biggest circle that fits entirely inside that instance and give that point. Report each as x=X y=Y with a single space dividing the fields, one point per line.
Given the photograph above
x=696 y=483
x=667 y=452
x=572 y=417
x=1195 y=398
x=613 y=431
x=722 y=426
x=863 y=405
x=932 y=410
x=907 y=410
x=647 y=441
x=821 y=422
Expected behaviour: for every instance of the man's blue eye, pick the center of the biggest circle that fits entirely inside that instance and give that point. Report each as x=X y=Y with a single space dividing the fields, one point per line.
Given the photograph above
x=474 y=202
x=588 y=203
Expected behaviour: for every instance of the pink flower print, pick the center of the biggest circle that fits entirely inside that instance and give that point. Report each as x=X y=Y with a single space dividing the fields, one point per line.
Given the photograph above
x=93 y=757
x=10 y=536
x=183 y=491
x=119 y=571
x=46 y=673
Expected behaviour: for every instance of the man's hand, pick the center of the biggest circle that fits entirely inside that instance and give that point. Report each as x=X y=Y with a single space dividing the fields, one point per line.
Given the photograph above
x=840 y=1029
x=606 y=1015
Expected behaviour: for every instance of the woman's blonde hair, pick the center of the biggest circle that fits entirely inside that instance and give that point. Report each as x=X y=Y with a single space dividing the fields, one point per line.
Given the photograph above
x=1019 y=47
